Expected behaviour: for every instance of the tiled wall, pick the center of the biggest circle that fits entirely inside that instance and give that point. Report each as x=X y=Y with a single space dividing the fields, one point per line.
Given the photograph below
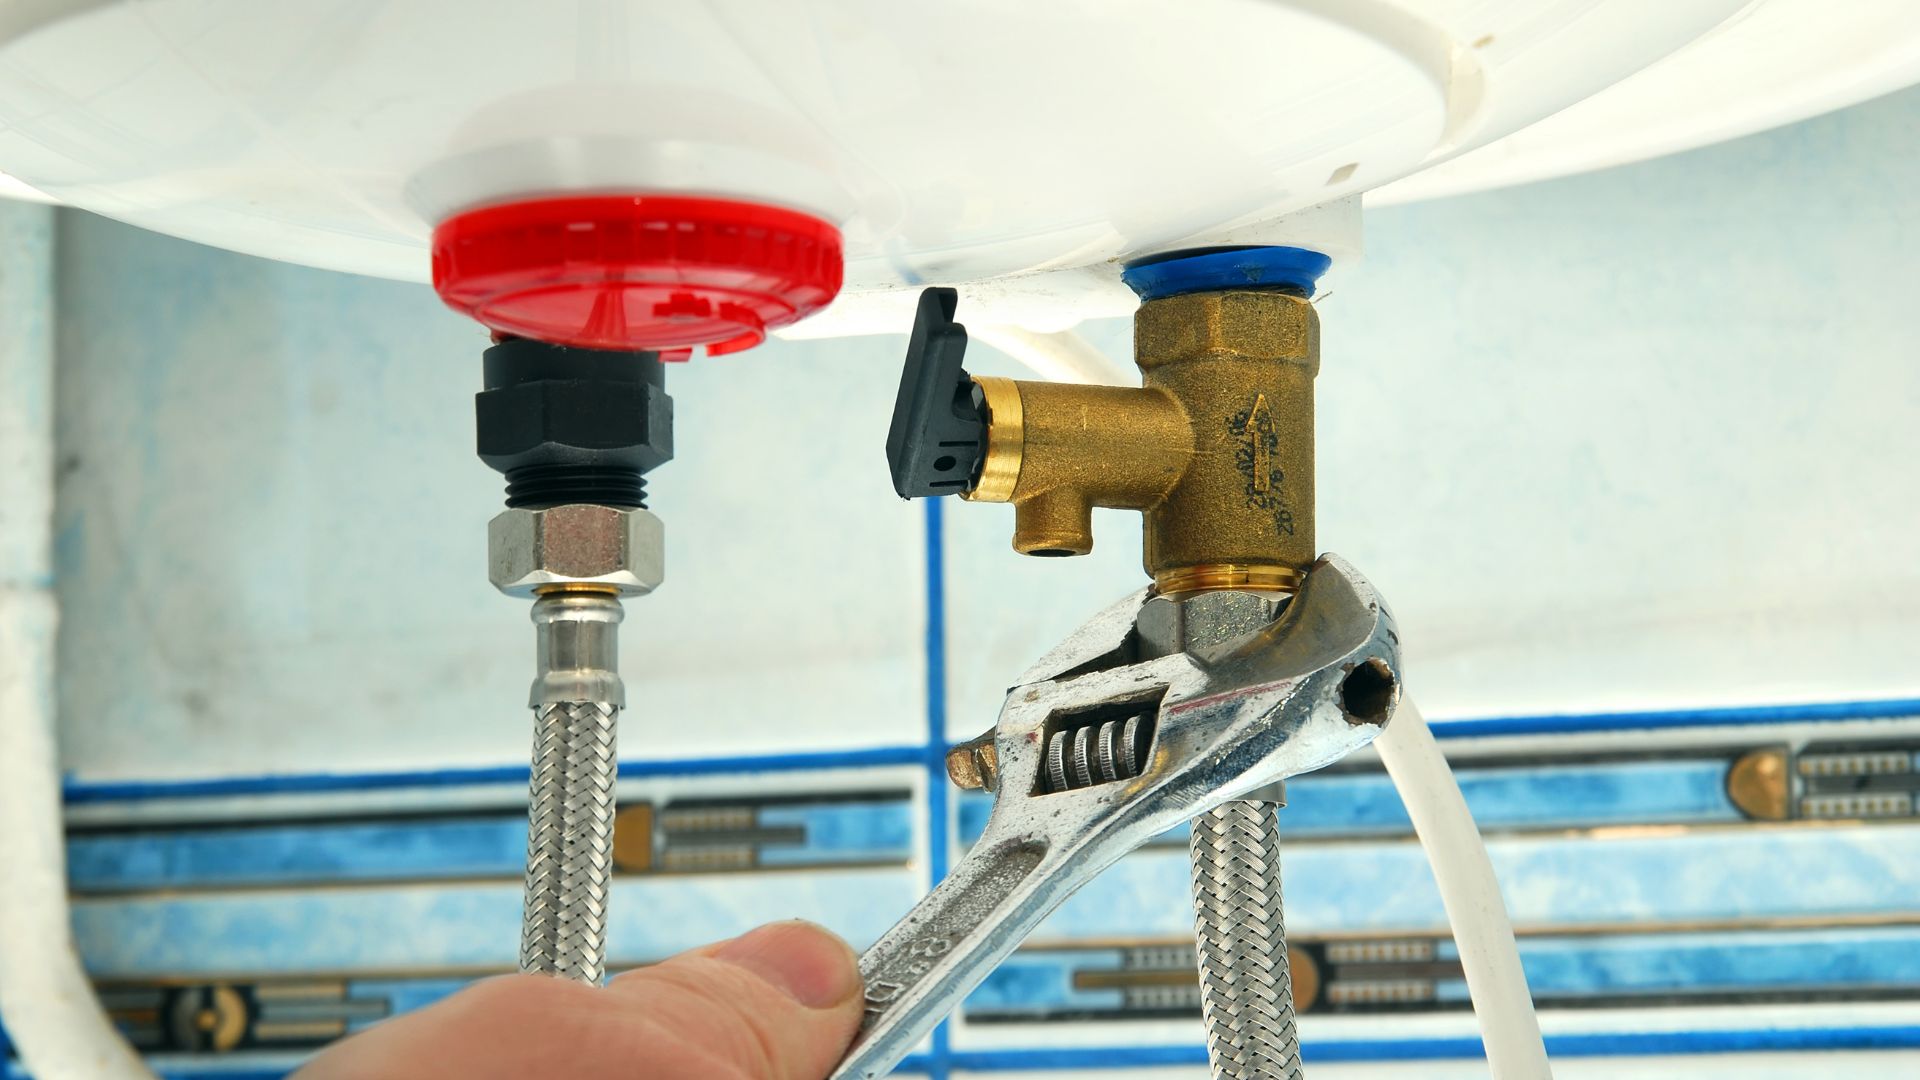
x=1661 y=910
x=1639 y=441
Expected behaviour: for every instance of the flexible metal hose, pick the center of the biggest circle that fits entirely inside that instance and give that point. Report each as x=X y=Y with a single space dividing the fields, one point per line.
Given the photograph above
x=1246 y=991
x=577 y=697
x=563 y=929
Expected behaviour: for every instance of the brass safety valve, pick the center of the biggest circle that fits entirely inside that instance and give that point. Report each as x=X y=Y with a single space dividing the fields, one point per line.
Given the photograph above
x=1215 y=448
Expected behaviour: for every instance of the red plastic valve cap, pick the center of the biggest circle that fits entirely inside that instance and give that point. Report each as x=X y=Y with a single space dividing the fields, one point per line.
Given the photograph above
x=655 y=272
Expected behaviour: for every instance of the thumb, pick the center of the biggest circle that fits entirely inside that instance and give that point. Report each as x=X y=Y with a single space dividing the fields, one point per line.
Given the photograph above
x=778 y=1003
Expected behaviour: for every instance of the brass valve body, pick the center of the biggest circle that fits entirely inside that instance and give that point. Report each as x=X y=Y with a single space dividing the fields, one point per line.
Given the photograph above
x=1057 y=450
x=1216 y=448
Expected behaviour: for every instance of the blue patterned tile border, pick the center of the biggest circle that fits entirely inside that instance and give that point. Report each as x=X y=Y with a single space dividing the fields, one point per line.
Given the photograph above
x=856 y=829
x=1390 y=974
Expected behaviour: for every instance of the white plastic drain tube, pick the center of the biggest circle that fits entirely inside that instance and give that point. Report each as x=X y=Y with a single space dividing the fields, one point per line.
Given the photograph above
x=1471 y=894
x=46 y=1001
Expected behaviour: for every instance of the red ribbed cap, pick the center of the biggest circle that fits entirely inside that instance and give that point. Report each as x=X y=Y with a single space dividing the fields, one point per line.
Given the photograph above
x=657 y=272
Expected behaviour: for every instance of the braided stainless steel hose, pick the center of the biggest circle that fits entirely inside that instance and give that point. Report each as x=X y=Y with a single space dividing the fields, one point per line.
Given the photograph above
x=1246 y=991
x=577 y=698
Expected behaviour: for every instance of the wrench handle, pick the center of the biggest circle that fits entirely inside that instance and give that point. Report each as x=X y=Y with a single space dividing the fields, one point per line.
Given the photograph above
x=919 y=971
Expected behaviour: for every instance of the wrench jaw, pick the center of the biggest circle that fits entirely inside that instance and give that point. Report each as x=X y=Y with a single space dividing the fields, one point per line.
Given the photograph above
x=1336 y=648
x=1305 y=692
x=1336 y=614
x=1314 y=686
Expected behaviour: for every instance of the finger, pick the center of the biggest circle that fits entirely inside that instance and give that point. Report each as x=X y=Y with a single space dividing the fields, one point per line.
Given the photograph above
x=779 y=1003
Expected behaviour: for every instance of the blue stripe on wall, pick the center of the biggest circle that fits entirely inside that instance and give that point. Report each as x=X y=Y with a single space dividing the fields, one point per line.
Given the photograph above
x=1803 y=960
x=1632 y=1043
x=209 y=1070
x=936 y=661
x=83 y=791
x=938 y=795
x=79 y=791
x=1534 y=796
x=292 y=854
x=1111 y=1057
x=1565 y=723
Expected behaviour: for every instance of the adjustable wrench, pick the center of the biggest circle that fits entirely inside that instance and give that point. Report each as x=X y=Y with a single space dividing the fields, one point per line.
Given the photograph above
x=1098 y=750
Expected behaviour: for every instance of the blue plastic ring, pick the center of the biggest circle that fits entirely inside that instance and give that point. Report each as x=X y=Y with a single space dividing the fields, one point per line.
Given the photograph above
x=1227 y=268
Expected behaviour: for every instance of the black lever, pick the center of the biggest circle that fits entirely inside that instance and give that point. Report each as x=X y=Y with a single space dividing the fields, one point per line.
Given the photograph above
x=939 y=432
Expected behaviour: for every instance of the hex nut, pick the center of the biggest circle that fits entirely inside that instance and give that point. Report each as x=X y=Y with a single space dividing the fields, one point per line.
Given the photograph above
x=535 y=423
x=547 y=404
x=1238 y=324
x=1195 y=623
x=576 y=544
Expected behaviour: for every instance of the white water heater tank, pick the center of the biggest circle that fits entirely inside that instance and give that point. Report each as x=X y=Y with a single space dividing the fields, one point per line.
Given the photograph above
x=1024 y=151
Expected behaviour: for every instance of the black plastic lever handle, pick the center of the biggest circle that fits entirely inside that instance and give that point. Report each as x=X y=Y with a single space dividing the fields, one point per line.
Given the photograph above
x=939 y=431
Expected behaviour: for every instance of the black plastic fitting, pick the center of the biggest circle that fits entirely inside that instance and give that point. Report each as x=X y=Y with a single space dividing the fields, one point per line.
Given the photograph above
x=567 y=425
x=938 y=437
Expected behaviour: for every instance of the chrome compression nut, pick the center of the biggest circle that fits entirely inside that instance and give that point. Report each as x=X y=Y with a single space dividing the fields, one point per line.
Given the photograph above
x=576 y=544
x=1199 y=621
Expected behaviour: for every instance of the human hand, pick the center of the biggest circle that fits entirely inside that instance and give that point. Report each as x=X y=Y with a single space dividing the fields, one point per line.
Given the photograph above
x=778 y=1003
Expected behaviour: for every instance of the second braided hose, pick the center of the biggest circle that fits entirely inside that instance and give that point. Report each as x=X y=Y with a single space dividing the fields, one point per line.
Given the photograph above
x=1246 y=991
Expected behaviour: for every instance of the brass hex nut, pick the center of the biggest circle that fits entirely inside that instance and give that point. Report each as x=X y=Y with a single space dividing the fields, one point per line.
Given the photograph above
x=577 y=544
x=1247 y=324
